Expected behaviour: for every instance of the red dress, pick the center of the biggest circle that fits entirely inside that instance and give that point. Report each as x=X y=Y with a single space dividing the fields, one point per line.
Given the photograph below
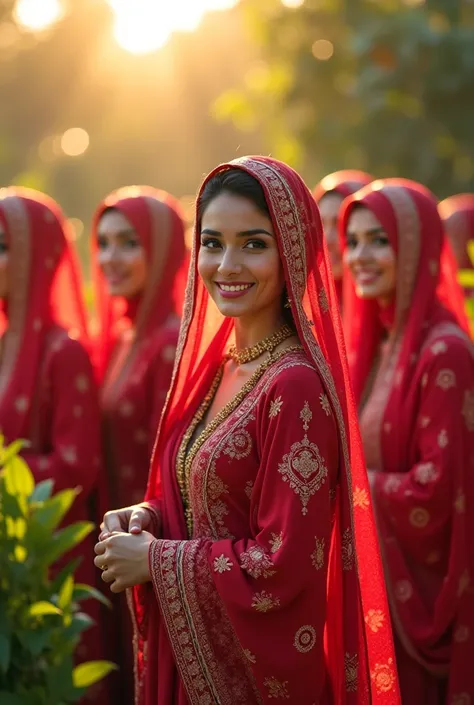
x=267 y=585
x=48 y=393
x=417 y=422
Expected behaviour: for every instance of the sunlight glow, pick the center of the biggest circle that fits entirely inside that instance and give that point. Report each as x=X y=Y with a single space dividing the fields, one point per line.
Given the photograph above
x=37 y=15
x=143 y=26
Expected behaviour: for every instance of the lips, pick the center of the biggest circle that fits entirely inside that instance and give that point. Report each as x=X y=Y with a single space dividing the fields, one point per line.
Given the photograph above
x=366 y=277
x=234 y=290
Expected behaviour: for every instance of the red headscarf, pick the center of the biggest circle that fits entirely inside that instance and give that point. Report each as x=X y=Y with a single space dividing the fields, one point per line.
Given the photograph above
x=457 y=213
x=204 y=335
x=343 y=182
x=44 y=291
x=156 y=217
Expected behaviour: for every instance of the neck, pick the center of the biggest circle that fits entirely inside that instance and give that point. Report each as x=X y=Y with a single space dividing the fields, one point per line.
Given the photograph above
x=249 y=332
x=387 y=312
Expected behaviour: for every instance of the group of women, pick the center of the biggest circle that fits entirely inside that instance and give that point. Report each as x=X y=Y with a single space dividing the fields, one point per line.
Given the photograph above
x=302 y=533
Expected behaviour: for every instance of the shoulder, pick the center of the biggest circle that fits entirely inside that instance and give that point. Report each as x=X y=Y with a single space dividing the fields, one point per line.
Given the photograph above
x=447 y=351
x=161 y=345
x=60 y=346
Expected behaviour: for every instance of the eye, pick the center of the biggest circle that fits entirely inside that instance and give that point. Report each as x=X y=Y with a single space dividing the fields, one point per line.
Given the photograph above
x=102 y=243
x=351 y=242
x=381 y=240
x=131 y=243
x=211 y=243
x=255 y=245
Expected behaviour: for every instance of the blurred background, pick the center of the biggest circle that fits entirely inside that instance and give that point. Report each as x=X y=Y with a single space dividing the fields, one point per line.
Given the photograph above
x=96 y=94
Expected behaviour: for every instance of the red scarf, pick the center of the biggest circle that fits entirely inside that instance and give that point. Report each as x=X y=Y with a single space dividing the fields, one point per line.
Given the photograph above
x=457 y=213
x=204 y=336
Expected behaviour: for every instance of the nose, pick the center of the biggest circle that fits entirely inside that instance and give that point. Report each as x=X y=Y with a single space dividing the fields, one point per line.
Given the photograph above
x=229 y=263
x=361 y=253
x=109 y=254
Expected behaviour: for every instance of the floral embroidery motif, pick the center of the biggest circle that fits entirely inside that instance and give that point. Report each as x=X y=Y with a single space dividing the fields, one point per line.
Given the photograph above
x=425 y=473
x=323 y=300
x=439 y=347
x=249 y=655
x=276 y=542
x=443 y=438
x=276 y=690
x=264 y=601
x=126 y=409
x=461 y=699
x=375 y=620
x=43 y=463
x=464 y=581
x=82 y=383
x=403 y=590
x=419 y=517
x=392 y=484
x=303 y=467
x=305 y=639
x=249 y=488
x=462 y=634
x=222 y=564
x=351 y=668
x=347 y=550
x=445 y=380
x=383 y=676
x=468 y=409
x=239 y=445
x=424 y=380
x=317 y=557
x=22 y=404
x=275 y=407
x=325 y=405
x=69 y=455
x=425 y=421
x=361 y=498
x=460 y=502
x=168 y=354
x=257 y=562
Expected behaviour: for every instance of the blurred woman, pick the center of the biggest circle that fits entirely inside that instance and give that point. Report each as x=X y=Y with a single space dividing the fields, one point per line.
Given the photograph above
x=329 y=195
x=413 y=379
x=47 y=390
x=257 y=498
x=457 y=213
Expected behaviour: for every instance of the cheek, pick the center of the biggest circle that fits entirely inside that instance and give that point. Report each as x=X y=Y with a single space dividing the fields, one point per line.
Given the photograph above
x=206 y=264
x=386 y=261
x=137 y=263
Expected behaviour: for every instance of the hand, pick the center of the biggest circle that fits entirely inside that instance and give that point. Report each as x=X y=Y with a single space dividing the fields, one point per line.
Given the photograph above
x=123 y=559
x=131 y=520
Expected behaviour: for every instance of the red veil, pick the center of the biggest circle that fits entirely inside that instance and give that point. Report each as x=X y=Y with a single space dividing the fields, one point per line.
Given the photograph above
x=44 y=291
x=457 y=213
x=357 y=609
x=343 y=182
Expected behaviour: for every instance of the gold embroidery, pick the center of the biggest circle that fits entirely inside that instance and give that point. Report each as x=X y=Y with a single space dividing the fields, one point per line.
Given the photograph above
x=361 y=498
x=460 y=502
x=22 y=404
x=323 y=300
x=276 y=542
x=222 y=564
x=326 y=406
x=425 y=473
x=317 y=557
x=461 y=699
x=305 y=639
x=347 y=550
x=303 y=467
x=276 y=690
x=257 y=562
x=249 y=488
x=403 y=590
x=264 y=601
x=462 y=634
x=464 y=582
x=351 y=668
x=445 y=380
x=443 y=438
x=439 y=347
x=82 y=383
x=419 y=517
x=275 y=407
x=249 y=655
x=239 y=445
x=468 y=409
x=425 y=421
x=392 y=484
x=69 y=455
x=375 y=620
x=383 y=676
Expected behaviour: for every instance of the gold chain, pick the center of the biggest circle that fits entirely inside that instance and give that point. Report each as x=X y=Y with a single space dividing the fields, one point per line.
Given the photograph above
x=185 y=458
x=240 y=357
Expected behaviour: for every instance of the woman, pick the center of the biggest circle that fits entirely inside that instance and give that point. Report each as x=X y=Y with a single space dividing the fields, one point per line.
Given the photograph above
x=47 y=390
x=256 y=549
x=329 y=195
x=139 y=252
x=457 y=213
x=414 y=382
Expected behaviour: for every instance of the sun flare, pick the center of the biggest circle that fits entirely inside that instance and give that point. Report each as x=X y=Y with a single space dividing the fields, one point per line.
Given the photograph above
x=37 y=15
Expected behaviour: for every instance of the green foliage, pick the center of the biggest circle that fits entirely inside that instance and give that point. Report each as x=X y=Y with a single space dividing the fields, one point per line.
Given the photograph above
x=384 y=86
x=40 y=618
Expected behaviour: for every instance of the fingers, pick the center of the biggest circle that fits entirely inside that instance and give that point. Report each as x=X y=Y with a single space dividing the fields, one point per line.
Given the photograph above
x=99 y=548
x=137 y=520
x=111 y=523
x=107 y=576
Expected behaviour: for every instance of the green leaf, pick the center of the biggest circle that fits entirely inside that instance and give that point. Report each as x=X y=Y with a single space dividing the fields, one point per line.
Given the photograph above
x=35 y=640
x=7 y=698
x=19 y=479
x=84 y=592
x=42 y=491
x=67 y=538
x=51 y=514
x=86 y=674
x=5 y=650
x=80 y=622
x=12 y=450
x=65 y=596
x=41 y=608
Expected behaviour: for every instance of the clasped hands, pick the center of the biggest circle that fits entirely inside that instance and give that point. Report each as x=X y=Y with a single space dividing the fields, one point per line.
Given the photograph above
x=123 y=547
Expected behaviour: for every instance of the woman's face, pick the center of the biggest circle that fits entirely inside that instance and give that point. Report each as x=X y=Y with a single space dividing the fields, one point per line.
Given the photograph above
x=121 y=255
x=239 y=261
x=3 y=263
x=329 y=206
x=370 y=257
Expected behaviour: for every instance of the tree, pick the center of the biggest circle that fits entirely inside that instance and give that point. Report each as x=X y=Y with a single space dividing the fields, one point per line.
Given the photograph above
x=382 y=85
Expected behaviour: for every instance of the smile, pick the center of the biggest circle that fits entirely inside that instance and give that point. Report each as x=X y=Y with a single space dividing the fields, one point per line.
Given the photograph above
x=233 y=290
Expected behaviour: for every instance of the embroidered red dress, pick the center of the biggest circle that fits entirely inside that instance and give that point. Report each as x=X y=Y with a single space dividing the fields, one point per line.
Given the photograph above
x=417 y=422
x=266 y=579
x=48 y=394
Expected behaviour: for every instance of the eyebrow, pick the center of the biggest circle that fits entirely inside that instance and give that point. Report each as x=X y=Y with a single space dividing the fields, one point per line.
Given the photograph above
x=371 y=231
x=242 y=233
x=119 y=233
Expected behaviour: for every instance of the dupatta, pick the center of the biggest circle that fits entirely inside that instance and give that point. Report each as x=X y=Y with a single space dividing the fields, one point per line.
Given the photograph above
x=44 y=291
x=344 y=182
x=357 y=609
x=457 y=213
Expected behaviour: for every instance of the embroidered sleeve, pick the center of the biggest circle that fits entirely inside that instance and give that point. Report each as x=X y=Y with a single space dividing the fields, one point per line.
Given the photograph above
x=73 y=457
x=154 y=507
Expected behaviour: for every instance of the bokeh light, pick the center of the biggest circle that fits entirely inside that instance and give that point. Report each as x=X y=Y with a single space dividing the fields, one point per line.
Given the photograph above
x=75 y=142
x=322 y=49
x=292 y=3
x=37 y=15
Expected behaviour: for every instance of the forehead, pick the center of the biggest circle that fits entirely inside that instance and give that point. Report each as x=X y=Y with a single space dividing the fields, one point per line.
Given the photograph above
x=361 y=218
x=330 y=203
x=113 y=221
x=231 y=212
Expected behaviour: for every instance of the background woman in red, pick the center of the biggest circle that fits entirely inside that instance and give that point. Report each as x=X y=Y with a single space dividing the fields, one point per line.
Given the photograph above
x=329 y=195
x=413 y=379
x=457 y=213
x=266 y=584
x=47 y=390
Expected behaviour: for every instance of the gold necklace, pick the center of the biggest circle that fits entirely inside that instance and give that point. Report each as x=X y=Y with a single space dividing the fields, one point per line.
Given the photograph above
x=240 y=357
x=185 y=458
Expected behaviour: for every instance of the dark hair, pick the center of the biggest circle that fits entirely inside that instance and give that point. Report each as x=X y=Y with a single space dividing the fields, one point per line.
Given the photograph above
x=236 y=182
